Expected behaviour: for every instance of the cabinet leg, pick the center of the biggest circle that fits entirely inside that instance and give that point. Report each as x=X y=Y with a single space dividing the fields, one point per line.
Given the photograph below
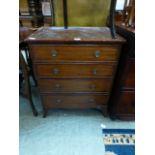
x=104 y=112
x=113 y=117
x=33 y=76
x=31 y=72
x=35 y=113
x=44 y=113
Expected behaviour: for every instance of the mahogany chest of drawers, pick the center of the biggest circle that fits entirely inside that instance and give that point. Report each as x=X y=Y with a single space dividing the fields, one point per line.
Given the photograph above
x=74 y=67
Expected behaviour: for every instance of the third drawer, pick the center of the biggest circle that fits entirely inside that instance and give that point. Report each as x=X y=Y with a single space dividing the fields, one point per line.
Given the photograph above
x=75 y=85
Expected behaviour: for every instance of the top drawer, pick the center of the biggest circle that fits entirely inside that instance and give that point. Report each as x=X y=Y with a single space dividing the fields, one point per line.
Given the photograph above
x=74 y=53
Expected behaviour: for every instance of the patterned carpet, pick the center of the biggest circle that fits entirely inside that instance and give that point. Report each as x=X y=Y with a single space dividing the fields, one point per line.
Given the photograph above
x=119 y=141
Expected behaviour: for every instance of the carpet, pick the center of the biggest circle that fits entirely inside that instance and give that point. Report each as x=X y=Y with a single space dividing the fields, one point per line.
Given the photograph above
x=119 y=141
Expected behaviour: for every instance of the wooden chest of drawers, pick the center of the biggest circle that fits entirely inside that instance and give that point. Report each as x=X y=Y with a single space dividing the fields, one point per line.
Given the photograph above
x=122 y=101
x=74 y=67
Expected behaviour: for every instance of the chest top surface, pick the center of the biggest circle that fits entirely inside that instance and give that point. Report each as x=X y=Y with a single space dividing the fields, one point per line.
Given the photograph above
x=74 y=35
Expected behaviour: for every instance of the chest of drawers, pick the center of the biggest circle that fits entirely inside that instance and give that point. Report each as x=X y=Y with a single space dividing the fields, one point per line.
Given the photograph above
x=74 y=68
x=122 y=101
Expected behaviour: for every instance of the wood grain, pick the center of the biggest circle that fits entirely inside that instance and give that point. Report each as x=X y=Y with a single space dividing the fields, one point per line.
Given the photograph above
x=75 y=67
x=75 y=70
x=126 y=104
x=75 y=85
x=74 y=101
x=74 y=35
x=52 y=53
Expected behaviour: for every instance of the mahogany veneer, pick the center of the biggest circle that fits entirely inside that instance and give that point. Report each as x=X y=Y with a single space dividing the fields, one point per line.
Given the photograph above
x=74 y=67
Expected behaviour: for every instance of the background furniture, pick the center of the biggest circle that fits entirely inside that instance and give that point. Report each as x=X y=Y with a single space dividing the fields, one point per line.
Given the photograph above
x=122 y=100
x=31 y=14
x=83 y=12
x=23 y=47
x=127 y=14
x=25 y=67
x=66 y=13
x=26 y=88
x=74 y=67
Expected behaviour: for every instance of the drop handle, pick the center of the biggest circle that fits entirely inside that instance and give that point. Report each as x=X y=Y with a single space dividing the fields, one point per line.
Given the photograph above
x=55 y=71
x=93 y=86
x=94 y=71
x=57 y=86
x=54 y=53
x=58 y=101
x=97 y=54
x=91 y=100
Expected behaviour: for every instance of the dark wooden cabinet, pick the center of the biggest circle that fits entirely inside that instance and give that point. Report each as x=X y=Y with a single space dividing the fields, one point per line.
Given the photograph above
x=74 y=67
x=122 y=100
x=30 y=14
x=35 y=12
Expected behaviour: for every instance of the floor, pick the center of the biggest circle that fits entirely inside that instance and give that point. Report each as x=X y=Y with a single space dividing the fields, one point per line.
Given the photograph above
x=62 y=132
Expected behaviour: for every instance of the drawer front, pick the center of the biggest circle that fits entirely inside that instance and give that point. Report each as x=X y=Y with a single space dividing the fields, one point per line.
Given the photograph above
x=129 y=81
x=75 y=70
x=74 y=53
x=76 y=101
x=126 y=103
x=75 y=85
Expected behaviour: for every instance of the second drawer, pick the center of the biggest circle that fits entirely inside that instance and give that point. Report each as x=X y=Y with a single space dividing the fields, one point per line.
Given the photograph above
x=75 y=85
x=75 y=70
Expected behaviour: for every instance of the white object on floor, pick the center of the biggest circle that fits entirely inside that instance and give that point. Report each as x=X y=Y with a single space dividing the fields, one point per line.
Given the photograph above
x=103 y=126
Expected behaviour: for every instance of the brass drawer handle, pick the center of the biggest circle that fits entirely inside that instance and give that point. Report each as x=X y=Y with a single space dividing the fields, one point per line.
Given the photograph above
x=91 y=100
x=94 y=71
x=55 y=71
x=54 y=53
x=58 y=101
x=97 y=54
x=57 y=86
x=92 y=86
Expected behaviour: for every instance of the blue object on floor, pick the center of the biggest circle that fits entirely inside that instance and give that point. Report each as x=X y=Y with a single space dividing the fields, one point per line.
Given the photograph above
x=119 y=141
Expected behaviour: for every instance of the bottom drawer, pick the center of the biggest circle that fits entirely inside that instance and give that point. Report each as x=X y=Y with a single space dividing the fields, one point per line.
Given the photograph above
x=74 y=101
